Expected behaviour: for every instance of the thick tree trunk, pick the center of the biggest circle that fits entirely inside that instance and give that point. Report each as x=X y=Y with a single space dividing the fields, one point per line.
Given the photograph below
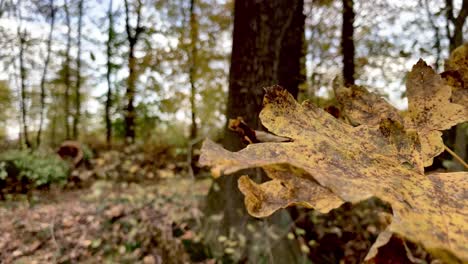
x=132 y=38
x=347 y=42
x=67 y=72
x=267 y=50
x=456 y=40
x=44 y=72
x=110 y=39
x=77 y=116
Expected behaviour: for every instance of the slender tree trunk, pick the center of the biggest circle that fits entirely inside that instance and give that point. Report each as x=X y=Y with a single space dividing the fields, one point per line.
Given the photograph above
x=347 y=42
x=67 y=72
x=132 y=38
x=110 y=38
x=76 y=119
x=53 y=127
x=456 y=39
x=22 y=35
x=44 y=72
x=437 y=36
x=193 y=63
x=24 y=119
x=2 y=6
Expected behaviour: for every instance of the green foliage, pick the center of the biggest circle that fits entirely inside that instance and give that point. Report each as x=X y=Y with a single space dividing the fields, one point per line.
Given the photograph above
x=5 y=105
x=38 y=168
x=87 y=152
x=3 y=172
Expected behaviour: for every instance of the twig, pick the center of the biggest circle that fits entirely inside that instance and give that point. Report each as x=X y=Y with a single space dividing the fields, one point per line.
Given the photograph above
x=462 y=162
x=410 y=255
x=57 y=253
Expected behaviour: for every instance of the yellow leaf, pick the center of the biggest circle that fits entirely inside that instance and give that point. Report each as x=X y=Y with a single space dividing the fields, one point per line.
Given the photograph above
x=430 y=109
x=456 y=75
x=328 y=162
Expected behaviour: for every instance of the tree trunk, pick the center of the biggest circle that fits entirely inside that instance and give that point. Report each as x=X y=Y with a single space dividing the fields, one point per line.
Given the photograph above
x=455 y=40
x=24 y=119
x=22 y=35
x=192 y=73
x=437 y=36
x=347 y=42
x=110 y=39
x=76 y=119
x=132 y=38
x=44 y=72
x=267 y=49
x=456 y=37
x=67 y=72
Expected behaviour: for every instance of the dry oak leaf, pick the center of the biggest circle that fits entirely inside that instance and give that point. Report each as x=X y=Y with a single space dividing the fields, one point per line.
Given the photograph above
x=353 y=163
x=289 y=185
x=430 y=109
x=456 y=75
x=366 y=108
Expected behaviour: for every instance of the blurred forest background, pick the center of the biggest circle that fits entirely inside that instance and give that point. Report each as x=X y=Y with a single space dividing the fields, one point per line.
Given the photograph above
x=104 y=105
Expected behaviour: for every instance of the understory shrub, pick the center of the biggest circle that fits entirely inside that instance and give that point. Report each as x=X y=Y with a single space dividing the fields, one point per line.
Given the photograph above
x=21 y=170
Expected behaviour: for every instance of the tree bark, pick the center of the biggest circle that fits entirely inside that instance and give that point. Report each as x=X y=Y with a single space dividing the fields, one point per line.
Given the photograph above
x=24 y=119
x=44 y=72
x=456 y=40
x=22 y=35
x=77 y=116
x=132 y=37
x=192 y=70
x=347 y=42
x=67 y=72
x=267 y=49
x=110 y=39
x=456 y=37
x=436 y=29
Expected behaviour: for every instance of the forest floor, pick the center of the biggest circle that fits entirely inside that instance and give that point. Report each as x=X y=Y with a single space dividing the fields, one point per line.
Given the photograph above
x=128 y=208
x=107 y=222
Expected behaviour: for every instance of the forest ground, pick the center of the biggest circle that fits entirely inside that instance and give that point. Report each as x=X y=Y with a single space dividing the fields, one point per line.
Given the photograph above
x=128 y=208
x=108 y=221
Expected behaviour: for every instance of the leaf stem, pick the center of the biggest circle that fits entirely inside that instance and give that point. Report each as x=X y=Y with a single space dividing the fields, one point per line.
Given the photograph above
x=456 y=156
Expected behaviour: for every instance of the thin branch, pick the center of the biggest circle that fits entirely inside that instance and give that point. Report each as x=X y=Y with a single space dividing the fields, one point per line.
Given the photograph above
x=52 y=234
x=462 y=162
